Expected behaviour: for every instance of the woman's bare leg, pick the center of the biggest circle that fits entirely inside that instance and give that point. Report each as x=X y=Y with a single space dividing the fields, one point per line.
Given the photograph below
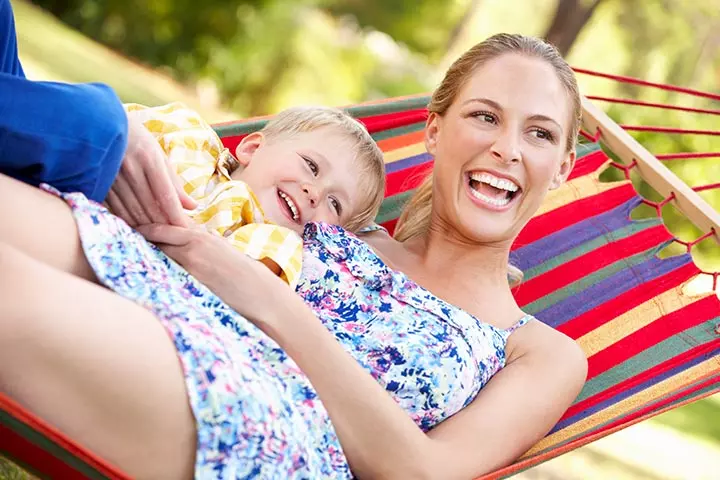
x=42 y=226
x=97 y=366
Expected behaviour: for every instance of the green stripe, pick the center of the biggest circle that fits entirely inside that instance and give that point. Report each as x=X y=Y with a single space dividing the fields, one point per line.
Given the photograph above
x=588 y=281
x=655 y=355
x=396 y=132
x=403 y=105
x=587 y=247
x=239 y=128
x=583 y=149
x=392 y=206
x=697 y=394
x=48 y=446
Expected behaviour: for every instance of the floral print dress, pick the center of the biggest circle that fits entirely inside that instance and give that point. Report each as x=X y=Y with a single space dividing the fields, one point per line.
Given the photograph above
x=257 y=415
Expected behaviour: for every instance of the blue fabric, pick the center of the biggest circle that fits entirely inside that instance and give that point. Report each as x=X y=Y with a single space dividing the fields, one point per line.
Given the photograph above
x=72 y=136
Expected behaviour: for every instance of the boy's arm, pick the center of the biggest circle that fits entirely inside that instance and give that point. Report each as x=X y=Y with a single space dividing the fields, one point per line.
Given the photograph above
x=232 y=211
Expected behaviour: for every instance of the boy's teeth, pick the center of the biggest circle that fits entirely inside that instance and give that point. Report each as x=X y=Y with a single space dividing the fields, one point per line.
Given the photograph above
x=290 y=205
x=496 y=182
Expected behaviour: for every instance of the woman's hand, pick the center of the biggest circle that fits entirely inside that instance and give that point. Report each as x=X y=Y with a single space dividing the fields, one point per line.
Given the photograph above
x=146 y=189
x=246 y=285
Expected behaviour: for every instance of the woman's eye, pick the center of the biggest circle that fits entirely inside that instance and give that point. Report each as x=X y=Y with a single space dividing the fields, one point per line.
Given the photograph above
x=486 y=117
x=543 y=134
x=312 y=165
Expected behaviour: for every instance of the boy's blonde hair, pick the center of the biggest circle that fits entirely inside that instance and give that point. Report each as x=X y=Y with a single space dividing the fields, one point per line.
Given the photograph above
x=416 y=216
x=295 y=120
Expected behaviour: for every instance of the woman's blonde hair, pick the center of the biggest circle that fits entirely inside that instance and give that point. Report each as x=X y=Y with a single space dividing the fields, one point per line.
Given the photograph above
x=416 y=216
x=305 y=119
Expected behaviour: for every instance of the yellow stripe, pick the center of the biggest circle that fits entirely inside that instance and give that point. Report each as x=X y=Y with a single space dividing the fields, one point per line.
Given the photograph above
x=645 y=397
x=576 y=189
x=404 y=152
x=633 y=320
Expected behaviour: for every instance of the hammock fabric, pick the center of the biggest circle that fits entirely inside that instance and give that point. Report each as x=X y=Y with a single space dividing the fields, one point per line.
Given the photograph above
x=590 y=272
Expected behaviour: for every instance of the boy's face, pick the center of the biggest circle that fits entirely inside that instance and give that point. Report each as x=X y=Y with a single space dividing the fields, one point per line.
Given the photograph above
x=307 y=177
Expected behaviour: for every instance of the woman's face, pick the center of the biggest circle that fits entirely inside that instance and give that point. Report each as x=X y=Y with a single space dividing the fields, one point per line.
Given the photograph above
x=499 y=148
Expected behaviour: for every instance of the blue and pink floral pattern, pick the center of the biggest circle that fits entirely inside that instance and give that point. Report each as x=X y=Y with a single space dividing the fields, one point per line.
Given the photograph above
x=257 y=414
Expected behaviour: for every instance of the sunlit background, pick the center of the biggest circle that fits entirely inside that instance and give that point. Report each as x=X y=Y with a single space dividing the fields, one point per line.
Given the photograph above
x=230 y=59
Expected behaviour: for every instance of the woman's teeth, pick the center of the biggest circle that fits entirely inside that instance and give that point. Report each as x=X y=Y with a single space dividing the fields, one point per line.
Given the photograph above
x=498 y=184
x=291 y=206
x=500 y=202
x=501 y=183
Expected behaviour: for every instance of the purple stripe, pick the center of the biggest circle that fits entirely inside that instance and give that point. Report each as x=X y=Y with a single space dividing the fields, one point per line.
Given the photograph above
x=407 y=162
x=632 y=391
x=610 y=287
x=564 y=240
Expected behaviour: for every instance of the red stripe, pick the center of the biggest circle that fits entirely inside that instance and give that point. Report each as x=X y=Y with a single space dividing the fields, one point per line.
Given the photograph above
x=662 y=403
x=592 y=319
x=572 y=213
x=588 y=164
x=232 y=141
x=578 y=268
x=22 y=451
x=41 y=460
x=652 y=334
x=400 y=141
x=390 y=225
x=407 y=179
x=387 y=121
x=643 y=377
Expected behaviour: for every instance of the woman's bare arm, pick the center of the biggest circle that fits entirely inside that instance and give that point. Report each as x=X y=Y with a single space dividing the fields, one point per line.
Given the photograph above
x=378 y=437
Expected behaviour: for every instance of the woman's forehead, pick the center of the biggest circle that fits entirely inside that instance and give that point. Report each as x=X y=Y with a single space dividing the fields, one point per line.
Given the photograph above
x=520 y=83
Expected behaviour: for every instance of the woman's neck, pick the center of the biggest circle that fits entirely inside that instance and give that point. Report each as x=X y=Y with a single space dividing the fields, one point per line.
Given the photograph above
x=471 y=276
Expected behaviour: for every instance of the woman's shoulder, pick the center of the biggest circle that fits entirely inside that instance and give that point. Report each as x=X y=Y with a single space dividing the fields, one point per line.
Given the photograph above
x=541 y=344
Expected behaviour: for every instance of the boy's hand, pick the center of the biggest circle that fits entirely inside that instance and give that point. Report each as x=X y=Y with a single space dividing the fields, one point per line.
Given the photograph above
x=146 y=189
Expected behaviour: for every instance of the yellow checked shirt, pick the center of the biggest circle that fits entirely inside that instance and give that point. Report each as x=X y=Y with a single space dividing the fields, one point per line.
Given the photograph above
x=226 y=206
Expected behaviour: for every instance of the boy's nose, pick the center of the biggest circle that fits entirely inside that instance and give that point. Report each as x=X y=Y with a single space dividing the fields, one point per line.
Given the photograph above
x=311 y=193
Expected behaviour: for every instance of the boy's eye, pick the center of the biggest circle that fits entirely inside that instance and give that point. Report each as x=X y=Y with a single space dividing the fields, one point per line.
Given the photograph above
x=312 y=165
x=336 y=205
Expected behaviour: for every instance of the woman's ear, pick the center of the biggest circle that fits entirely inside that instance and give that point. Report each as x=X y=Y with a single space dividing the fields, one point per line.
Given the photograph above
x=564 y=171
x=247 y=147
x=431 y=133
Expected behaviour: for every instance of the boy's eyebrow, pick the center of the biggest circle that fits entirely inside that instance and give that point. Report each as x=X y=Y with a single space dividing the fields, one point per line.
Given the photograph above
x=493 y=104
x=318 y=155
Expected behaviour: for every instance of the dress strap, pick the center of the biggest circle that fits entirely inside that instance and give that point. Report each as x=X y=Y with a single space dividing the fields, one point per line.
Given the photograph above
x=373 y=227
x=519 y=323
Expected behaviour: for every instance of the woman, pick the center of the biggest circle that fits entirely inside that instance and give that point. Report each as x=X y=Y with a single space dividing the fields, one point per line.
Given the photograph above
x=399 y=378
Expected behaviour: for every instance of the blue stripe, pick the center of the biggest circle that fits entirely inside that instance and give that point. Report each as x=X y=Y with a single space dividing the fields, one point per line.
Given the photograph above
x=610 y=288
x=407 y=162
x=564 y=240
x=638 y=388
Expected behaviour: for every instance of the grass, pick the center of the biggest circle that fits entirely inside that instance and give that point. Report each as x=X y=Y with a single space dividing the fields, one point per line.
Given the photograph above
x=651 y=450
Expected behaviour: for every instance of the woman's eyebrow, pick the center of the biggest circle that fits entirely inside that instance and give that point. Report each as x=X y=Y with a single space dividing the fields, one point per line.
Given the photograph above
x=545 y=118
x=486 y=101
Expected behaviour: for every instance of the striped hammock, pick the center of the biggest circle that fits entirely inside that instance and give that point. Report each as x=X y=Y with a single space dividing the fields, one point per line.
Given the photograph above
x=590 y=271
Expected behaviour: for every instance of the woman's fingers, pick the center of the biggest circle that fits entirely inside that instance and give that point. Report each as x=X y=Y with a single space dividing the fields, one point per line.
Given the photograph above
x=167 y=234
x=123 y=193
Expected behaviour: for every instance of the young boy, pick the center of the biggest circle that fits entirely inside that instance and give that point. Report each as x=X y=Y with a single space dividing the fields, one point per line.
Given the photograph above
x=308 y=164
